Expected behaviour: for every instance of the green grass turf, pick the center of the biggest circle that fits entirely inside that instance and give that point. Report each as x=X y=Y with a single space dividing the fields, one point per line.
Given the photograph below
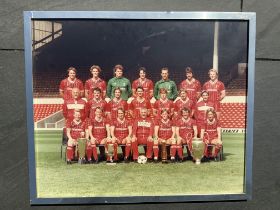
x=56 y=179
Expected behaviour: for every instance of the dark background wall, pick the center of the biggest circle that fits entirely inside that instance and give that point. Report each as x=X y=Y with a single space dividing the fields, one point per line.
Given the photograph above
x=14 y=192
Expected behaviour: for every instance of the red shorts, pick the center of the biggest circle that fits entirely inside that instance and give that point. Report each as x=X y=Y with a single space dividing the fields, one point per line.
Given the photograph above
x=142 y=140
x=217 y=106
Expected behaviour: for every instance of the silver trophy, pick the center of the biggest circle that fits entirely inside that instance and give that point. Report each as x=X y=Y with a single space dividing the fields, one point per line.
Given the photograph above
x=197 y=149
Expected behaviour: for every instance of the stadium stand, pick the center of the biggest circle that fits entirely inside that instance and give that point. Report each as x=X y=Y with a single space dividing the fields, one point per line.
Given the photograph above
x=233 y=115
x=43 y=110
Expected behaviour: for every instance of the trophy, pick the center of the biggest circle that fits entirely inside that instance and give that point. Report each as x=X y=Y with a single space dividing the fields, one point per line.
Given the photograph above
x=163 y=152
x=197 y=149
x=81 y=148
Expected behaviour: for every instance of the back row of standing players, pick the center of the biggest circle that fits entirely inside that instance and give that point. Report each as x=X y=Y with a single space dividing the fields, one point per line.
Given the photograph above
x=142 y=114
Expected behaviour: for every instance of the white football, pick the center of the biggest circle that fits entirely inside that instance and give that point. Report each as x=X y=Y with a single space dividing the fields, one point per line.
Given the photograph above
x=142 y=159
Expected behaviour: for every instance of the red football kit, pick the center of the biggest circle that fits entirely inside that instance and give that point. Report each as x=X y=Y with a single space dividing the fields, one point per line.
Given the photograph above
x=186 y=132
x=93 y=104
x=136 y=105
x=211 y=133
x=90 y=84
x=142 y=129
x=180 y=104
x=146 y=84
x=214 y=90
x=72 y=105
x=67 y=85
x=200 y=113
x=121 y=131
x=163 y=104
x=99 y=132
x=76 y=127
x=193 y=88
x=165 y=128
x=114 y=105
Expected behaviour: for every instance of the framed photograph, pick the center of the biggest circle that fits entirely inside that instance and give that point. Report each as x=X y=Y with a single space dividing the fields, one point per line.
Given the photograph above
x=139 y=107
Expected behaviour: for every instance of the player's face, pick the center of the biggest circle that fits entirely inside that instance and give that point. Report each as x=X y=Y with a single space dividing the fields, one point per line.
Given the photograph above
x=120 y=114
x=143 y=113
x=119 y=72
x=142 y=74
x=183 y=95
x=75 y=93
x=139 y=92
x=77 y=116
x=117 y=94
x=213 y=75
x=98 y=113
x=205 y=96
x=95 y=73
x=82 y=134
x=164 y=74
x=164 y=115
x=210 y=116
x=163 y=96
x=72 y=74
x=185 y=114
x=189 y=75
x=96 y=94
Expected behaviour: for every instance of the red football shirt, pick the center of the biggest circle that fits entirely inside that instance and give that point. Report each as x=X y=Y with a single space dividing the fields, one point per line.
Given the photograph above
x=76 y=128
x=99 y=128
x=135 y=106
x=142 y=128
x=71 y=105
x=93 y=104
x=186 y=127
x=193 y=87
x=200 y=111
x=165 y=128
x=67 y=85
x=160 y=105
x=113 y=106
x=146 y=84
x=211 y=128
x=214 y=89
x=90 y=84
x=121 y=128
x=180 y=104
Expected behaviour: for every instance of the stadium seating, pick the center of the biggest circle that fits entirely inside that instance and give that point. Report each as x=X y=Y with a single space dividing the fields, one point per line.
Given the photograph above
x=233 y=115
x=43 y=110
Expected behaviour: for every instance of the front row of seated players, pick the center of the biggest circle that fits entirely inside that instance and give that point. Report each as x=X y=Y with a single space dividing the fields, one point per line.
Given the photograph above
x=144 y=131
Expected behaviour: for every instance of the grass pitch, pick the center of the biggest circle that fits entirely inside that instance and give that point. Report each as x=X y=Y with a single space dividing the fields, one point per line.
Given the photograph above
x=55 y=179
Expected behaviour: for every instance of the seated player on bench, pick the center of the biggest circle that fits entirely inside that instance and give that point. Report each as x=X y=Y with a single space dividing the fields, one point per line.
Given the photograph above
x=75 y=129
x=121 y=131
x=211 y=135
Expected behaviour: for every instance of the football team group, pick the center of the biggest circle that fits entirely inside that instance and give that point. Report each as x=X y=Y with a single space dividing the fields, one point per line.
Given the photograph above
x=125 y=115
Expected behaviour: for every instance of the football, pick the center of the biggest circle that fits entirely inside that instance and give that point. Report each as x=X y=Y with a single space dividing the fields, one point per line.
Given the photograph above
x=142 y=159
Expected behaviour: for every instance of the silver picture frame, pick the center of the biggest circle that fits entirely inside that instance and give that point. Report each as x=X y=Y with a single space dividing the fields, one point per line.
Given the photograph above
x=250 y=18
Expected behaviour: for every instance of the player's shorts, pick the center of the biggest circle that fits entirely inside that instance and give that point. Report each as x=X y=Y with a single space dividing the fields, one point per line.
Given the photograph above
x=142 y=140
x=217 y=106
x=121 y=141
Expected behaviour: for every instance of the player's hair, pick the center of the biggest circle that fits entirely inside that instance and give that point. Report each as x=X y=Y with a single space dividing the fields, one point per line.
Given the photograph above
x=183 y=90
x=99 y=108
x=71 y=68
x=75 y=88
x=97 y=89
x=204 y=91
x=164 y=110
x=77 y=111
x=213 y=70
x=118 y=66
x=117 y=88
x=189 y=70
x=95 y=67
x=121 y=109
x=140 y=87
x=185 y=109
x=211 y=110
x=142 y=69
x=162 y=90
x=164 y=69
